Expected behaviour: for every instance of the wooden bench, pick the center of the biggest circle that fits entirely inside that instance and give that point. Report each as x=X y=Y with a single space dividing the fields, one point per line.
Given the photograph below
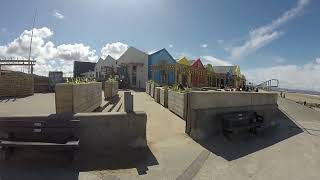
x=235 y=122
x=58 y=135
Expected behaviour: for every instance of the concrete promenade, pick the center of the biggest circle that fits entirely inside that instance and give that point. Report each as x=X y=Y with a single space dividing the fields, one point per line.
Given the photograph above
x=291 y=151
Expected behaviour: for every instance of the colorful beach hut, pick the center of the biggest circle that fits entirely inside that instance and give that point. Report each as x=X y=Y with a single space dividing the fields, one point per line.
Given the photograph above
x=162 y=67
x=183 y=75
x=198 y=74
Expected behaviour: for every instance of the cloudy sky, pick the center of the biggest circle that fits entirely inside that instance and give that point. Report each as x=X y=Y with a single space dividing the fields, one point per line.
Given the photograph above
x=268 y=39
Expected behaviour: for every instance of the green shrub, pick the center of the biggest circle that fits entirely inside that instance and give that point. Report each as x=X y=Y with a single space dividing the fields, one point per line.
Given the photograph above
x=80 y=80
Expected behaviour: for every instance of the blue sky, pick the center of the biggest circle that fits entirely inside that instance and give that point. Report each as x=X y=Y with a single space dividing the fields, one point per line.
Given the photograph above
x=268 y=39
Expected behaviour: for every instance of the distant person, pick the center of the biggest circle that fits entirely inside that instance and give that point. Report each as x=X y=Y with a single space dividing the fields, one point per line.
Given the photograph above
x=305 y=103
x=257 y=89
x=281 y=94
x=284 y=95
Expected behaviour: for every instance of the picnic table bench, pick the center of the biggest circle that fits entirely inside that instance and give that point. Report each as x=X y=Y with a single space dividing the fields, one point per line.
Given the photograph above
x=235 y=122
x=57 y=135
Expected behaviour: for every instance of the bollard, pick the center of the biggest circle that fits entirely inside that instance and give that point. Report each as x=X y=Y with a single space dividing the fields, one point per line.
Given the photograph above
x=128 y=101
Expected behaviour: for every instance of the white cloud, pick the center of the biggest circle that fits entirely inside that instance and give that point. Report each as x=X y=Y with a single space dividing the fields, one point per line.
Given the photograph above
x=214 y=61
x=204 y=45
x=57 y=14
x=114 y=49
x=3 y=29
x=305 y=77
x=170 y=46
x=48 y=56
x=263 y=35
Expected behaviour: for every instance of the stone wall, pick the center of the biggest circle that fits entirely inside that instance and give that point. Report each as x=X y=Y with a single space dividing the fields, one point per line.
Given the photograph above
x=16 y=84
x=76 y=98
x=204 y=109
x=177 y=103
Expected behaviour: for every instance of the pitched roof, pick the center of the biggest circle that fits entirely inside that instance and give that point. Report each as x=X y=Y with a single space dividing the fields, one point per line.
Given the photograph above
x=197 y=63
x=162 y=50
x=225 y=69
x=183 y=61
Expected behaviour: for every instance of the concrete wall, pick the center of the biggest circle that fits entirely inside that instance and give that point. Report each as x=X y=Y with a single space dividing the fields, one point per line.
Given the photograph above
x=177 y=103
x=76 y=98
x=16 y=84
x=164 y=97
x=103 y=132
x=204 y=109
x=157 y=94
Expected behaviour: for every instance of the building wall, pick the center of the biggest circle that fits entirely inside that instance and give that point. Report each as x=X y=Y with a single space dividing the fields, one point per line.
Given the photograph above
x=161 y=56
x=103 y=63
x=80 y=67
x=16 y=84
x=134 y=57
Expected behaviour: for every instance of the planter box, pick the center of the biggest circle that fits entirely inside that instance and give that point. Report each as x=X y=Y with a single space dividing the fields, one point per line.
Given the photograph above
x=110 y=88
x=148 y=88
x=76 y=98
x=164 y=97
x=157 y=94
x=152 y=89
x=177 y=103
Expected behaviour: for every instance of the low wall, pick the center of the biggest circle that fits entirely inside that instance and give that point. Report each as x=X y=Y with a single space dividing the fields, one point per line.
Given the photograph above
x=164 y=97
x=177 y=103
x=16 y=84
x=147 y=87
x=76 y=98
x=204 y=109
x=152 y=89
x=157 y=94
x=103 y=132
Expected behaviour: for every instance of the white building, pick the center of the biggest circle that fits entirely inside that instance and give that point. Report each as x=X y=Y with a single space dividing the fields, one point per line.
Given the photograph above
x=90 y=74
x=136 y=62
x=105 y=67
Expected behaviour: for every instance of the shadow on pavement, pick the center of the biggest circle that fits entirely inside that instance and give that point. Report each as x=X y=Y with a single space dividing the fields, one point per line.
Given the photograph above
x=246 y=143
x=111 y=102
x=46 y=166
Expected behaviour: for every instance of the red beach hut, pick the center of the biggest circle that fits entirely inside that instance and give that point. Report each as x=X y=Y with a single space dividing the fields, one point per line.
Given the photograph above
x=198 y=76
